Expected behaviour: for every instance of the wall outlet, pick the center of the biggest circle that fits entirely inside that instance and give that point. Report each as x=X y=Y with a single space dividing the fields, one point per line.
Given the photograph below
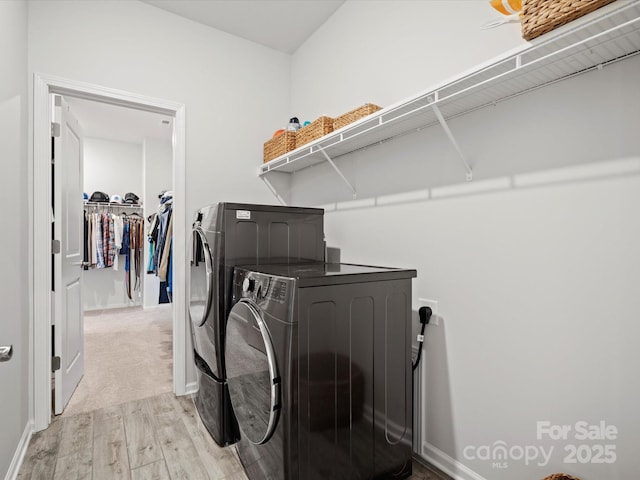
x=426 y=302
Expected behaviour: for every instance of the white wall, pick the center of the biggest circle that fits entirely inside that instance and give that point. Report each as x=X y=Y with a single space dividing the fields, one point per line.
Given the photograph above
x=14 y=248
x=236 y=92
x=112 y=167
x=535 y=264
x=158 y=164
x=384 y=51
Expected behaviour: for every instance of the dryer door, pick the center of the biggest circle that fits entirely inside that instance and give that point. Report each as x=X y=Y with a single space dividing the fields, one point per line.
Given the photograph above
x=202 y=278
x=252 y=373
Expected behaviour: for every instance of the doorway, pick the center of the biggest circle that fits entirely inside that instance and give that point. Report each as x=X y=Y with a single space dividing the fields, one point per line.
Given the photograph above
x=40 y=270
x=127 y=158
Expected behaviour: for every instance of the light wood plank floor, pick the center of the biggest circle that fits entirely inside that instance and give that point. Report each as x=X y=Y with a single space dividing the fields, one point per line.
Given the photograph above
x=123 y=422
x=155 y=438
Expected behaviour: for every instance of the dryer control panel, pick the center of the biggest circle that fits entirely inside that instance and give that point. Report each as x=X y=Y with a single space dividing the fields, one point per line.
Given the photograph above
x=271 y=293
x=270 y=288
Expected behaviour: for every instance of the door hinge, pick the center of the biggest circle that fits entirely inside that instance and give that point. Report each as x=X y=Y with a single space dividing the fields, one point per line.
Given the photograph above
x=55 y=129
x=55 y=246
x=55 y=363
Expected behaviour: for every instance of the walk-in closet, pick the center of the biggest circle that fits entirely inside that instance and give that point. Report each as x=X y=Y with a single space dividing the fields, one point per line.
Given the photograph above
x=127 y=209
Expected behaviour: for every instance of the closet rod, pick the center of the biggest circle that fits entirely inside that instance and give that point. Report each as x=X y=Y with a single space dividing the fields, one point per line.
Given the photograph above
x=116 y=205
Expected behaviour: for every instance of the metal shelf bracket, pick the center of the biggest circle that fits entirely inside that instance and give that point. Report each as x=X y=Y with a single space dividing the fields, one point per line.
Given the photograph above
x=452 y=139
x=273 y=190
x=344 y=179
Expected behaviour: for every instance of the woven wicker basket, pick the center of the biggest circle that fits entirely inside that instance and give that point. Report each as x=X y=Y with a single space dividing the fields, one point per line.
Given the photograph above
x=276 y=146
x=314 y=130
x=356 y=114
x=542 y=16
x=560 y=476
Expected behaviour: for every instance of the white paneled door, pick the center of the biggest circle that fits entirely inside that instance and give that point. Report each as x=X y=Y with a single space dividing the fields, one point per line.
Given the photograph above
x=68 y=225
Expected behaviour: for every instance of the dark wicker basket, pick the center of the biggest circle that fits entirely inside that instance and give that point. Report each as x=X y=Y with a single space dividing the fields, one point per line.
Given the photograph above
x=542 y=16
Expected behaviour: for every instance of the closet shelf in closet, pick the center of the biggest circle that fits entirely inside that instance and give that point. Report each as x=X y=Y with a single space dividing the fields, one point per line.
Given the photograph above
x=607 y=35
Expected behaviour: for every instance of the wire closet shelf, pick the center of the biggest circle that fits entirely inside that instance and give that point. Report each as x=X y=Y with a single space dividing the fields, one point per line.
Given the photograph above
x=608 y=35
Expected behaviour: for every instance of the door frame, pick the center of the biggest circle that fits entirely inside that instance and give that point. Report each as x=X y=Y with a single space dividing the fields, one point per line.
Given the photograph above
x=40 y=232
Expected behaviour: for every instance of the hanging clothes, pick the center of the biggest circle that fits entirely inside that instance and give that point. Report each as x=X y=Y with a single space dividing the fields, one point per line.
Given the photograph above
x=103 y=236
x=108 y=234
x=99 y=242
x=94 y=239
x=164 y=259
x=163 y=226
x=126 y=251
x=151 y=252
x=118 y=227
x=132 y=245
x=160 y=237
x=170 y=272
x=137 y=242
x=108 y=239
x=85 y=249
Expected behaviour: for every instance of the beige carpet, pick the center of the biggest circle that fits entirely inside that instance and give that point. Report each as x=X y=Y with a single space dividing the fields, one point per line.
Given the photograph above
x=128 y=356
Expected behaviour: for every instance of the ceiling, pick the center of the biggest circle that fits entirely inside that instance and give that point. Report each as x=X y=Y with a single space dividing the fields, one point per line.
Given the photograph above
x=113 y=122
x=283 y=25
